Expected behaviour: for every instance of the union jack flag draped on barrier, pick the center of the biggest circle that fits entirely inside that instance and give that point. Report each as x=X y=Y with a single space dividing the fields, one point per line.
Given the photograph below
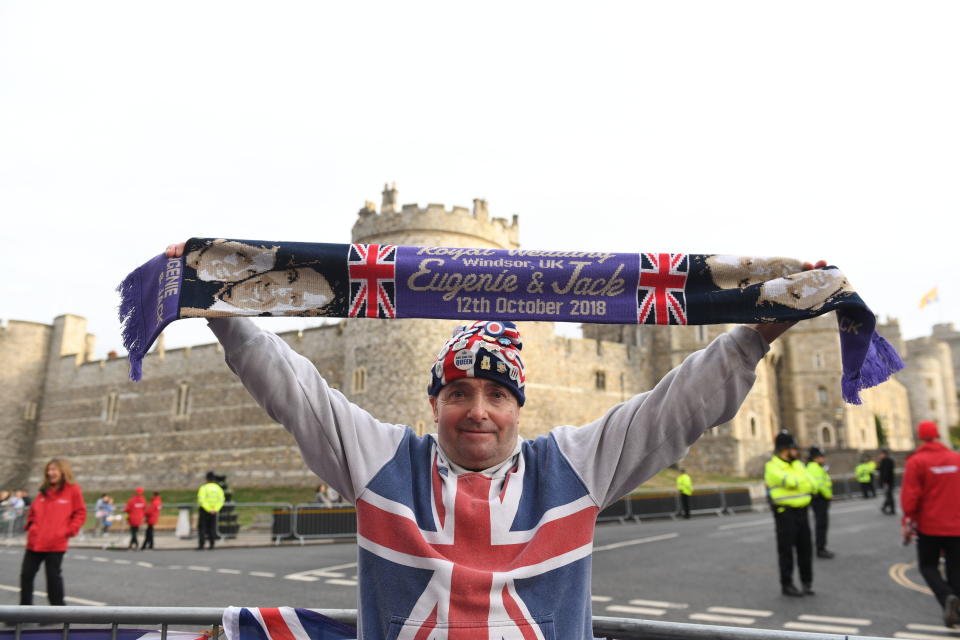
x=219 y=277
x=282 y=623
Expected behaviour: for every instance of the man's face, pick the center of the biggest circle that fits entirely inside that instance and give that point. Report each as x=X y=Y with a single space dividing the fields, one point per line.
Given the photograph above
x=477 y=422
x=790 y=454
x=54 y=475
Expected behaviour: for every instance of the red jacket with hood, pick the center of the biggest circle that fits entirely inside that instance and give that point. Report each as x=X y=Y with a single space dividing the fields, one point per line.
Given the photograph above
x=135 y=509
x=930 y=494
x=55 y=516
x=153 y=510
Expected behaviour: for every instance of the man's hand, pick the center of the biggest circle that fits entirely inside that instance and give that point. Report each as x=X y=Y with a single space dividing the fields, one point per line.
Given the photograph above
x=773 y=330
x=176 y=250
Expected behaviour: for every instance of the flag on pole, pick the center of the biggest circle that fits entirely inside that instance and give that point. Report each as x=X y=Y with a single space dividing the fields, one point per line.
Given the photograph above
x=282 y=623
x=929 y=297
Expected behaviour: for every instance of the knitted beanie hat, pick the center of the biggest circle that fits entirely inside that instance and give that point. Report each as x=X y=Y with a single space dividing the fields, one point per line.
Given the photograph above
x=485 y=349
x=927 y=430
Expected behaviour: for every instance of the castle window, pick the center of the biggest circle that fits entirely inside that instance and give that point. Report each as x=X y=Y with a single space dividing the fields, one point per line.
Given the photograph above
x=182 y=406
x=600 y=380
x=933 y=404
x=109 y=414
x=599 y=347
x=929 y=383
x=753 y=427
x=359 y=380
x=825 y=436
x=30 y=411
x=818 y=360
x=822 y=396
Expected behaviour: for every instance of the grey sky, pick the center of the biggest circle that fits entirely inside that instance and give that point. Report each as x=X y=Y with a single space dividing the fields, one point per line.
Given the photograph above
x=816 y=129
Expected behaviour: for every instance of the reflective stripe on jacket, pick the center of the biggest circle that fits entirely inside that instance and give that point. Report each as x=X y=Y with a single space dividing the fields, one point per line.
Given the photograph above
x=788 y=483
x=210 y=497
x=822 y=484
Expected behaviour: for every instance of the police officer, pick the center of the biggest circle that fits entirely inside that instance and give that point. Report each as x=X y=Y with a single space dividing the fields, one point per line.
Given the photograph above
x=790 y=487
x=210 y=499
x=685 y=488
x=864 y=472
x=820 y=503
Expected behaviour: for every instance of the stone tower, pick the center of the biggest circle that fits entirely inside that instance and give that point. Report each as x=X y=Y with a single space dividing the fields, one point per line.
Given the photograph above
x=386 y=364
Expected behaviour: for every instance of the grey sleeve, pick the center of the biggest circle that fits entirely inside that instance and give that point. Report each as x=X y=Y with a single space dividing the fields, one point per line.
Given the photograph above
x=652 y=430
x=339 y=441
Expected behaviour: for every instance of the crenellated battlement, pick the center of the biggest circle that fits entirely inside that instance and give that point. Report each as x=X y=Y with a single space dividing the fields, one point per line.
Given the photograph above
x=434 y=224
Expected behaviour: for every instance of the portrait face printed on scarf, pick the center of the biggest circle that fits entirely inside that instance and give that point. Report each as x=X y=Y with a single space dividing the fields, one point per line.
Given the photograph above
x=278 y=291
x=806 y=290
x=733 y=272
x=231 y=261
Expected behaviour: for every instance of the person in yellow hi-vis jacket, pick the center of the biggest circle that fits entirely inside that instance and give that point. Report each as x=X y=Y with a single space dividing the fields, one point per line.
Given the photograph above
x=685 y=487
x=820 y=503
x=790 y=488
x=210 y=499
x=864 y=472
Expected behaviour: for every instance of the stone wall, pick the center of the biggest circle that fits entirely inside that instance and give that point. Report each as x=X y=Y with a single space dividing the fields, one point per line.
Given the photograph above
x=23 y=351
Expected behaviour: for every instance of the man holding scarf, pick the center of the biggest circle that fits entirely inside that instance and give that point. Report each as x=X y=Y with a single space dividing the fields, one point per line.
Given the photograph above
x=474 y=528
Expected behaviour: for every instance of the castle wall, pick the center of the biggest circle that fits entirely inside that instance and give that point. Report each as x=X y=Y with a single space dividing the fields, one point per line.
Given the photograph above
x=189 y=415
x=23 y=351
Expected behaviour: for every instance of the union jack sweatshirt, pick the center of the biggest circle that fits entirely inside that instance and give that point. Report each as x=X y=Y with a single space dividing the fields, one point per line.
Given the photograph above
x=445 y=553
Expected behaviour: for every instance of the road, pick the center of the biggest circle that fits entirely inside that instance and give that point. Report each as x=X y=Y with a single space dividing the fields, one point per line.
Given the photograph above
x=711 y=570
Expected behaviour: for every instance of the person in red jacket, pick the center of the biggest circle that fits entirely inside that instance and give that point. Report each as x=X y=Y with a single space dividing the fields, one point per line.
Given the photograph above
x=136 y=509
x=153 y=515
x=930 y=498
x=55 y=516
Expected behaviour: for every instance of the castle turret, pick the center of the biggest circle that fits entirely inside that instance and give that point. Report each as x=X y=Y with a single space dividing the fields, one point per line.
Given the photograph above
x=386 y=366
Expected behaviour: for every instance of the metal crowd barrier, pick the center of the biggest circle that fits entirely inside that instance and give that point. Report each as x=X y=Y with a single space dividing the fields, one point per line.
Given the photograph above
x=663 y=503
x=313 y=520
x=603 y=627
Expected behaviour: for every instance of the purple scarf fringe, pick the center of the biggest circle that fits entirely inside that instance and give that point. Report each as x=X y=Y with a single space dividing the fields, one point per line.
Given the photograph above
x=881 y=362
x=132 y=322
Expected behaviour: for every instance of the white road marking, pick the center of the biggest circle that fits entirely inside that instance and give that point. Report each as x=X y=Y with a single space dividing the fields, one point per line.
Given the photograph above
x=122 y=561
x=860 y=622
x=174 y=566
x=628 y=543
x=78 y=557
x=194 y=567
x=710 y=617
x=659 y=604
x=148 y=565
x=826 y=628
x=758 y=613
x=921 y=636
x=230 y=571
x=100 y=559
x=601 y=598
x=312 y=575
x=345 y=583
x=741 y=525
x=642 y=611
x=263 y=574
x=43 y=594
x=932 y=627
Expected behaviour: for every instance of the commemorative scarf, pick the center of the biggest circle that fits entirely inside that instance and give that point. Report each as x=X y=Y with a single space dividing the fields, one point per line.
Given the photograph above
x=220 y=277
